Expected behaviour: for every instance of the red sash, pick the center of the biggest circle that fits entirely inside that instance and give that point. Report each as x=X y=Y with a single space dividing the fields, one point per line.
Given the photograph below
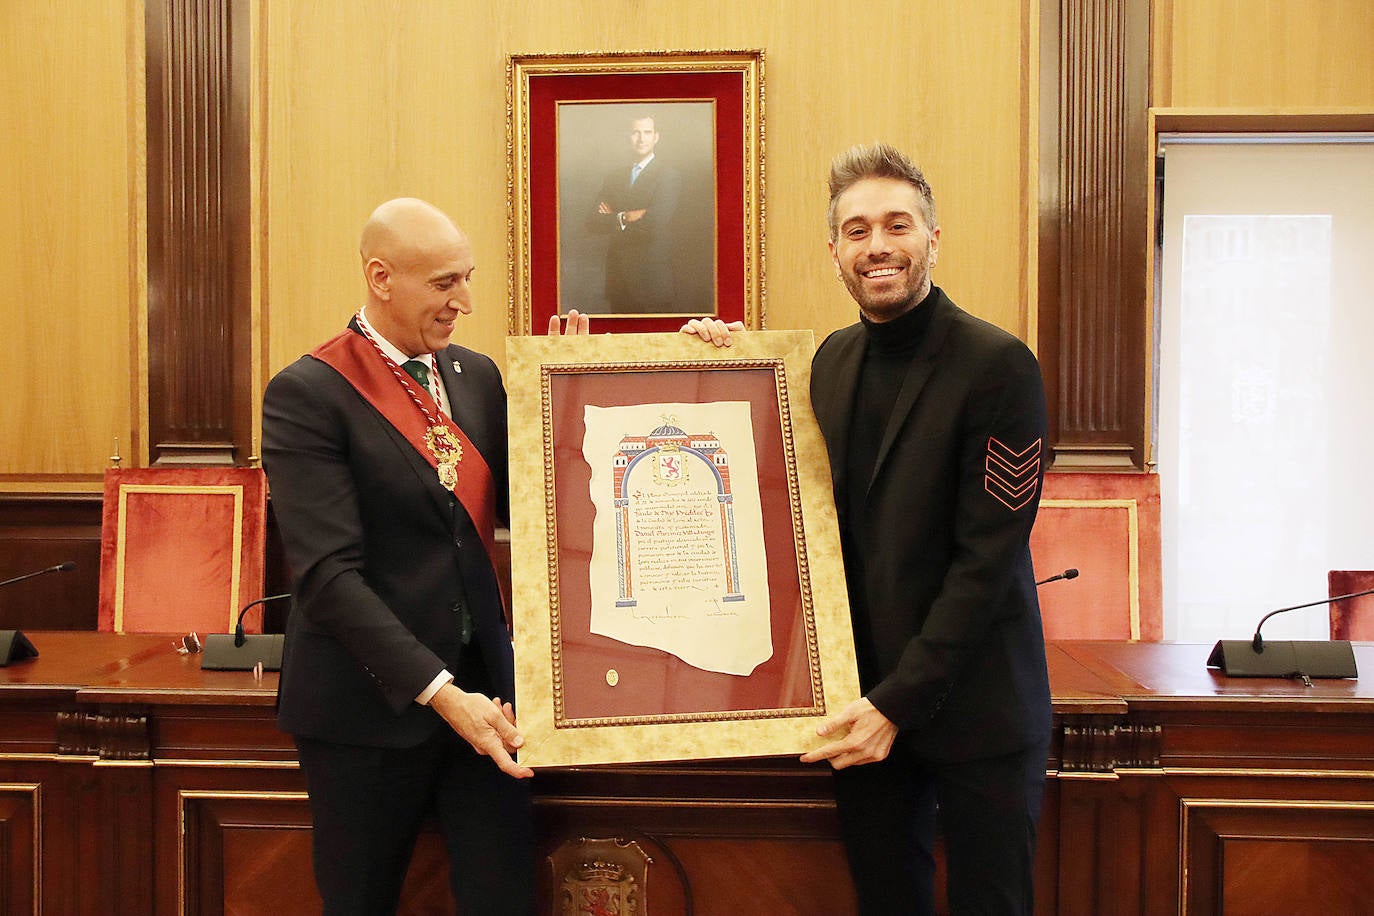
x=353 y=357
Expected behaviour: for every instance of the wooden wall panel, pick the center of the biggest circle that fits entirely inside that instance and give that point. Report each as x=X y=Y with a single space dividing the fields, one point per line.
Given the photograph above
x=361 y=105
x=200 y=398
x=351 y=105
x=20 y=873
x=1094 y=246
x=1276 y=856
x=71 y=117
x=1276 y=54
x=40 y=531
x=773 y=875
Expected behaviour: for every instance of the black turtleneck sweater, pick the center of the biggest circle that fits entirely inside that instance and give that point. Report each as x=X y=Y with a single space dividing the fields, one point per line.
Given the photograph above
x=891 y=346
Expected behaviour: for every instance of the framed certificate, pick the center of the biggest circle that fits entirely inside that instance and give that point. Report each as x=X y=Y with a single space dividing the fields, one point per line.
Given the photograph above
x=677 y=583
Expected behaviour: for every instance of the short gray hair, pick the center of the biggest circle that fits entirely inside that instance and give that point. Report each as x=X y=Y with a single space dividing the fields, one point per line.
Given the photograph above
x=876 y=160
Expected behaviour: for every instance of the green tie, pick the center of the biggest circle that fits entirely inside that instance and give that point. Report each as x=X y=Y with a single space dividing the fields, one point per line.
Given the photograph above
x=418 y=371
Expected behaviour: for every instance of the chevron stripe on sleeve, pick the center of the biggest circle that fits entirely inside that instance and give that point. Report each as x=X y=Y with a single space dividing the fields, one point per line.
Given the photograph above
x=1012 y=476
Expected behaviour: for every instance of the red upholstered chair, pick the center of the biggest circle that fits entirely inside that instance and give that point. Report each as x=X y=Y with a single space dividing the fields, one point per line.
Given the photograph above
x=1107 y=527
x=181 y=549
x=1352 y=618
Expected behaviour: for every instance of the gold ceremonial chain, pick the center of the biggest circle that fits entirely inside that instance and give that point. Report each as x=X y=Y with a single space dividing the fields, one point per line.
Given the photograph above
x=442 y=444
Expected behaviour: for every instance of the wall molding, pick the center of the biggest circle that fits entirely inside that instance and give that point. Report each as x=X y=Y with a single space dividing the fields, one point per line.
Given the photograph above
x=1094 y=240
x=199 y=208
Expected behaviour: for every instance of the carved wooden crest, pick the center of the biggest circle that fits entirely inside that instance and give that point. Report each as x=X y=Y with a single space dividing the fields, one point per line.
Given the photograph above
x=601 y=877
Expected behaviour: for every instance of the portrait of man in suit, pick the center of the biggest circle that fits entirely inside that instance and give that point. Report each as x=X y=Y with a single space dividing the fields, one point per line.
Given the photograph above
x=637 y=236
x=637 y=207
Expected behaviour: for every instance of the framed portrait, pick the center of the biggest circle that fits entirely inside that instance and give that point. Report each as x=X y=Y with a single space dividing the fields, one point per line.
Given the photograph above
x=636 y=188
x=677 y=584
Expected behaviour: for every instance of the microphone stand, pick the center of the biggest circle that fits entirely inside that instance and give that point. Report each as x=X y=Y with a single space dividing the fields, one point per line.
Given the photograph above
x=60 y=567
x=238 y=651
x=14 y=645
x=1066 y=574
x=1306 y=659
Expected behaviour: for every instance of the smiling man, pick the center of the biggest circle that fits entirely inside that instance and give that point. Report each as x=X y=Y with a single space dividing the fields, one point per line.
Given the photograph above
x=935 y=425
x=385 y=451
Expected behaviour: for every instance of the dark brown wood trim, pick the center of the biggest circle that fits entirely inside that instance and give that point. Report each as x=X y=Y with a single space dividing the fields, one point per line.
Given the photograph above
x=199 y=346
x=1094 y=240
x=1231 y=120
x=41 y=530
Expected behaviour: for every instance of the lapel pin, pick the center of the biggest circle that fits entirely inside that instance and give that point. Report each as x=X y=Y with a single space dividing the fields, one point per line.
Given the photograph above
x=457 y=367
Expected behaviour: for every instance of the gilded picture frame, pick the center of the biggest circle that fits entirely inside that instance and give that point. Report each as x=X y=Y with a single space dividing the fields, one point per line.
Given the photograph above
x=639 y=250
x=586 y=697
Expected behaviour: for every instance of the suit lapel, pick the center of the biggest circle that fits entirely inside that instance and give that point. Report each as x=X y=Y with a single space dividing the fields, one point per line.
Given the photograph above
x=922 y=365
x=834 y=409
x=460 y=407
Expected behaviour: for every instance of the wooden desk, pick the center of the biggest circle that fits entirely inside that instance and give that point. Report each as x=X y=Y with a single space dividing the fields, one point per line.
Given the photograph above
x=133 y=782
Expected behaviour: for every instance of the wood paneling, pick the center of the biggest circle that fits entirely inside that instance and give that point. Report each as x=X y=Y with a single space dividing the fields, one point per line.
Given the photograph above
x=200 y=396
x=41 y=531
x=361 y=105
x=20 y=875
x=1273 y=55
x=354 y=104
x=1094 y=184
x=1277 y=856
x=1171 y=789
x=71 y=120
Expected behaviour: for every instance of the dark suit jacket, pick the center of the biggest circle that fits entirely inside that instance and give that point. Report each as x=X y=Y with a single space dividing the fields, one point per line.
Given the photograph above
x=946 y=568
x=639 y=258
x=382 y=557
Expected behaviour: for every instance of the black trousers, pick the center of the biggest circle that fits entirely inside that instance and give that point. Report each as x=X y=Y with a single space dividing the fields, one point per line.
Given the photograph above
x=368 y=804
x=986 y=812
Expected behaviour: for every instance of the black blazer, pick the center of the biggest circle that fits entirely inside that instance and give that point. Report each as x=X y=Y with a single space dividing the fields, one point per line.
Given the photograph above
x=382 y=556
x=944 y=534
x=639 y=258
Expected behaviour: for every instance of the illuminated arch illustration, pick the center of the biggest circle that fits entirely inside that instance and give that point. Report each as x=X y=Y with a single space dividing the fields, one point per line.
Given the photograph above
x=670 y=455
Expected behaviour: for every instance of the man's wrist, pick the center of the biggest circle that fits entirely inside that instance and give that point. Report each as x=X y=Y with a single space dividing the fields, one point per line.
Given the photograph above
x=442 y=679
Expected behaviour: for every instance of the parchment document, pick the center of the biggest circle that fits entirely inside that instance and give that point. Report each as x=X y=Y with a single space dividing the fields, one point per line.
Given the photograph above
x=677 y=551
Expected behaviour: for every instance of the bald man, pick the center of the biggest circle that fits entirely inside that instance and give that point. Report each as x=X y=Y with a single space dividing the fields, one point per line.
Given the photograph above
x=385 y=450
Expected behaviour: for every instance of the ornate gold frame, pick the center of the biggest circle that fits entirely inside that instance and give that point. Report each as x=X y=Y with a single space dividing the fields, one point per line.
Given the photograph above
x=629 y=76
x=553 y=738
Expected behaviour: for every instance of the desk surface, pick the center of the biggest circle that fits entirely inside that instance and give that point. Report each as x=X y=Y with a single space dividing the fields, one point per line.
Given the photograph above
x=1158 y=766
x=130 y=668
x=1160 y=674
x=1085 y=676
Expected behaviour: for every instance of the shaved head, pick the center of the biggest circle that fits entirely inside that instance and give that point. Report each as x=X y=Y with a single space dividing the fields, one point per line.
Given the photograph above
x=418 y=266
x=400 y=230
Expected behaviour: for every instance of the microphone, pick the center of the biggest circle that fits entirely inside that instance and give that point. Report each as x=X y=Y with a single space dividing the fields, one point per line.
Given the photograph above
x=14 y=645
x=1066 y=574
x=241 y=652
x=1306 y=659
x=1258 y=642
x=60 y=567
x=239 y=637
